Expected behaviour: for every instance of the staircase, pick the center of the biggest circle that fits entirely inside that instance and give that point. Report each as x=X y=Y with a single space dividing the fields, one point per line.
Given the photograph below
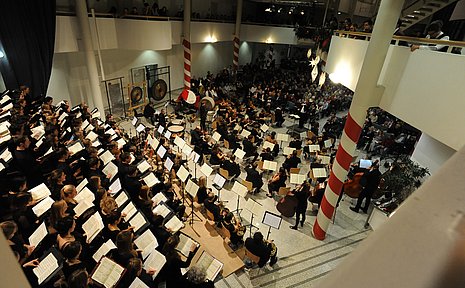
x=416 y=11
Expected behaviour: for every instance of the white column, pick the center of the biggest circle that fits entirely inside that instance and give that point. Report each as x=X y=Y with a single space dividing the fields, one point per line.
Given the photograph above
x=237 y=29
x=91 y=63
x=366 y=95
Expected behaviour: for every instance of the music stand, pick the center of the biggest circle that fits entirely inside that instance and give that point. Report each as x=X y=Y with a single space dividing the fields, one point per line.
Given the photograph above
x=218 y=183
x=271 y=220
x=241 y=191
x=282 y=138
x=183 y=174
x=192 y=189
x=254 y=208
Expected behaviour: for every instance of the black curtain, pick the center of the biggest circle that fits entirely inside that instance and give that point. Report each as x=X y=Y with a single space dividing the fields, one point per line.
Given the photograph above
x=27 y=38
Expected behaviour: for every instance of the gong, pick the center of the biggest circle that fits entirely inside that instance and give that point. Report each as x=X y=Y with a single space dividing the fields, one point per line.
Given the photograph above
x=159 y=88
x=136 y=95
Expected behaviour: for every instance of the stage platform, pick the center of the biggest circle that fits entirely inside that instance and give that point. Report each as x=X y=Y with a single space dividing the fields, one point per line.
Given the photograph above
x=210 y=241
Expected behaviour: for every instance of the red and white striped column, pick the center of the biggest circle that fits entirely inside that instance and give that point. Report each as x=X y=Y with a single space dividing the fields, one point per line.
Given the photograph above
x=367 y=94
x=187 y=63
x=237 y=31
x=236 y=53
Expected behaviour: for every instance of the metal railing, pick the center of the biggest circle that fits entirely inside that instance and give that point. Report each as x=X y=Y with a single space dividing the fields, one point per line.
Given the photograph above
x=411 y=40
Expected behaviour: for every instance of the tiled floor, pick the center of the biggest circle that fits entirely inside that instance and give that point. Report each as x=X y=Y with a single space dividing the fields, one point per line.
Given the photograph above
x=303 y=260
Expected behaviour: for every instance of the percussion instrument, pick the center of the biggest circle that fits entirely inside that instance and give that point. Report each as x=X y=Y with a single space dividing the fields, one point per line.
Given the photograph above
x=159 y=89
x=177 y=122
x=176 y=130
x=209 y=103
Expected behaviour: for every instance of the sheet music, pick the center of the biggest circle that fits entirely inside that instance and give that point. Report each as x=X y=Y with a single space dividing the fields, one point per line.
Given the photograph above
x=137 y=283
x=85 y=195
x=319 y=172
x=187 y=150
x=206 y=169
x=328 y=143
x=270 y=165
x=174 y=224
x=211 y=265
x=192 y=188
x=121 y=199
x=313 y=148
x=40 y=192
x=268 y=144
x=167 y=134
x=92 y=136
x=239 y=189
x=121 y=142
x=7 y=107
x=38 y=235
x=194 y=157
x=288 y=150
x=245 y=133
x=161 y=151
x=140 y=128
x=324 y=159
x=150 y=180
x=147 y=242
x=49 y=151
x=38 y=132
x=46 y=267
x=143 y=166
x=159 y=197
x=254 y=207
x=81 y=185
x=129 y=210
x=219 y=180
x=160 y=129
x=182 y=173
x=75 y=148
x=82 y=207
x=178 y=141
x=110 y=170
x=134 y=121
x=115 y=187
x=272 y=220
x=153 y=142
x=93 y=226
x=4 y=99
x=365 y=163
x=106 y=157
x=264 y=127
x=162 y=210
x=107 y=273
x=89 y=127
x=168 y=164
x=297 y=178
x=185 y=244
x=239 y=153
x=216 y=136
x=138 y=221
x=96 y=115
x=96 y=143
x=6 y=155
x=103 y=250
x=5 y=138
x=156 y=261
x=282 y=137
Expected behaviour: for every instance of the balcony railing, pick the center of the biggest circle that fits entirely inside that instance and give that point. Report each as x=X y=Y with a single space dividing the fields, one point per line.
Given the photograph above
x=453 y=46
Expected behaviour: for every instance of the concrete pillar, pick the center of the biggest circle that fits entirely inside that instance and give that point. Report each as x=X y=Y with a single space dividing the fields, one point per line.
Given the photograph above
x=91 y=63
x=366 y=95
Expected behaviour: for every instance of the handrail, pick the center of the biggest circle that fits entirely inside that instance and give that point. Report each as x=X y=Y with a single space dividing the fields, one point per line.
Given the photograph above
x=454 y=43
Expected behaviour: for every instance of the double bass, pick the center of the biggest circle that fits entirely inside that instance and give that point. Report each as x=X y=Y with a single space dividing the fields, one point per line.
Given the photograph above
x=287 y=205
x=352 y=187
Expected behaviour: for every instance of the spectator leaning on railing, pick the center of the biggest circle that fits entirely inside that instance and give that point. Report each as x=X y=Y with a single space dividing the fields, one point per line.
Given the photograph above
x=434 y=32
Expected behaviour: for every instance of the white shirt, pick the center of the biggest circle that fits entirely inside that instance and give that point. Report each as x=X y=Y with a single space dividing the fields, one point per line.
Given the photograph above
x=435 y=47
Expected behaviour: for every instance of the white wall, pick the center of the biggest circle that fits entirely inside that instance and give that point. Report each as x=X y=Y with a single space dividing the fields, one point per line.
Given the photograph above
x=58 y=87
x=245 y=53
x=423 y=88
x=211 y=57
x=431 y=153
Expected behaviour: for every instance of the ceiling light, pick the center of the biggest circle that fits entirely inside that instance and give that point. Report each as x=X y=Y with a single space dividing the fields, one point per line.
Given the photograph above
x=302 y=13
x=2 y=54
x=268 y=10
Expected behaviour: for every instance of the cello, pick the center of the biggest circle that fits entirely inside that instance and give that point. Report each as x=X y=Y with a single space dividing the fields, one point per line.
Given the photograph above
x=287 y=205
x=352 y=187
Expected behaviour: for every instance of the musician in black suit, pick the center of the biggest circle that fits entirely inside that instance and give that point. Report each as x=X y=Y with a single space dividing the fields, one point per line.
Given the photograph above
x=292 y=161
x=254 y=177
x=370 y=181
x=249 y=148
x=203 y=116
x=301 y=193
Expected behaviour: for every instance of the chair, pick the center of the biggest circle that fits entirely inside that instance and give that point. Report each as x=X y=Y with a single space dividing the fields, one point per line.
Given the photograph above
x=283 y=191
x=226 y=144
x=225 y=174
x=254 y=258
x=210 y=215
x=248 y=184
x=294 y=171
x=225 y=232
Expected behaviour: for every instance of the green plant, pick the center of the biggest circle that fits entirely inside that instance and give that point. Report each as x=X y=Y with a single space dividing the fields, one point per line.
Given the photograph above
x=403 y=177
